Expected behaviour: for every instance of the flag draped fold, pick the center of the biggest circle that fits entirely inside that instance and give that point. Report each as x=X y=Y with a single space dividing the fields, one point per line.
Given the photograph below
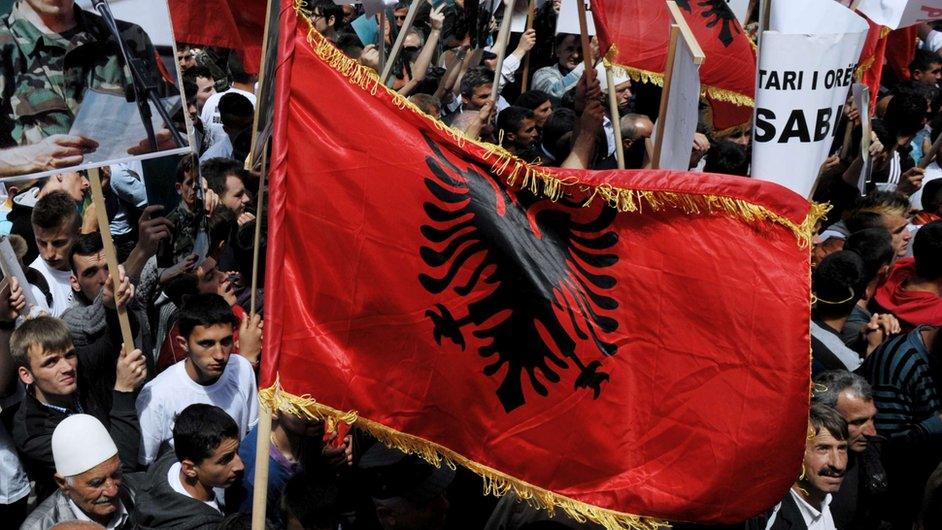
x=635 y=34
x=239 y=25
x=606 y=343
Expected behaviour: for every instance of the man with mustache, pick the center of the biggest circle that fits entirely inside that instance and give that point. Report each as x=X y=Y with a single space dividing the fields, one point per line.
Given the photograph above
x=88 y=473
x=807 y=504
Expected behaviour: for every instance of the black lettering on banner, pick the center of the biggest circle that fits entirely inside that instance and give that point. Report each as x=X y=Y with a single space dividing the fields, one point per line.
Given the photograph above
x=765 y=130
x=795 y=127
x=823 y=124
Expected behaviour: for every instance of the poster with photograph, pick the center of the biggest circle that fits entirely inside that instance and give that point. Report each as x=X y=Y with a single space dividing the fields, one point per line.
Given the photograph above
x=110 y=97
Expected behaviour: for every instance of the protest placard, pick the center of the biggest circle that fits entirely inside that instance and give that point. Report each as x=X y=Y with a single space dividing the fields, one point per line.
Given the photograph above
x=901 y=13
x=806 y=68
x=40 y=131
x=862 y=102
x=677 y=119
x=568 y=20
x=740 y=8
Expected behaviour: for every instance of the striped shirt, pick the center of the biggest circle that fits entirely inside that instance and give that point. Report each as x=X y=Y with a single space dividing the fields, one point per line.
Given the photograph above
x=904 y=391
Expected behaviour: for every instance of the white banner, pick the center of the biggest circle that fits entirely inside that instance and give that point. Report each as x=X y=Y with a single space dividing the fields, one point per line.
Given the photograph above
x=862 y=102
x=740 y=8
x=568 y=19
x=805 y=71
x=901 y=13
x=680 y=118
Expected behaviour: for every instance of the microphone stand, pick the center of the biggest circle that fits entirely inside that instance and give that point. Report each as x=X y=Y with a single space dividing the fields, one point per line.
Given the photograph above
x=143 y=92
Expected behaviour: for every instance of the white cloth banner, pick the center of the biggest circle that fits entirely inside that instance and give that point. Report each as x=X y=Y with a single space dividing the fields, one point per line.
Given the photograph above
x=740 y=8
x=568 y=19
x=680 y=119
x=805 y=71
x=901 y=13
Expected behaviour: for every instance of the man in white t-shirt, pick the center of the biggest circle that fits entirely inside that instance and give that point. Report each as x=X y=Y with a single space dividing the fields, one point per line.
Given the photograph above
x=242 y=83
x=208 y=375
x=56 y=224
x=181 y=487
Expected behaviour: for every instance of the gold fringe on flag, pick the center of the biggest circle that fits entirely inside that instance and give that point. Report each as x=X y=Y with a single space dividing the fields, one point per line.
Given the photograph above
x=495 y=482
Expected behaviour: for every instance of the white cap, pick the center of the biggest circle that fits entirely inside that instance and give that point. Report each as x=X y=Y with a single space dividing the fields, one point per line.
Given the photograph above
x=619 y=76
x=79 y=443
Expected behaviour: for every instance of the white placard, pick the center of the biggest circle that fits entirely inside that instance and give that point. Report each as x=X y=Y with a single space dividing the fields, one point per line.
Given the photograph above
x=740 y=8
x=680 y=118
x=806 y=68
x=862 y=102
x=901 y=13
x=568 y=19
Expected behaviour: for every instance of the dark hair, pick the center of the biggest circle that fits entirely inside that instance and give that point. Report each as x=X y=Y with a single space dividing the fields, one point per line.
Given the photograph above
x=312 y=500
x=864 y=221
x=824 y=417
x=50 y=333
x=511 y=119
x=54 y=210
x=217 y=170
x=350 y=44
x=728 y=158
x=220 y=226
x=560 y=122
x=237 y=69
x=927 y=250
x=204 y=310
x=875 y=248
x=235 y=105
x=532 y=99
x=837 y=283
x=906 y=113
x=190 y=91
x=830 y=384
x=198 y=71
x=923 y=61
x=474 y=78
x=187 y=164
x=85 y=245
x=327 y=9
x=932 y=196
x=426 y=102
x=198 y=431
x=883 y=132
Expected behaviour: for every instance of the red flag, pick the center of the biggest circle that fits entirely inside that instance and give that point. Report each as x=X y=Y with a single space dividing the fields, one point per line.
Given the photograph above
x=611 y=343
x=900 y=48
x=872 y=58
x=635 y=34
x=239 y=25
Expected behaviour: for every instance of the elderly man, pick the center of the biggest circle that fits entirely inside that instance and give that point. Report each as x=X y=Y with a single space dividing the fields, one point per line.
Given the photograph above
x=857 y=503
x=88 y=473
x=807 y=503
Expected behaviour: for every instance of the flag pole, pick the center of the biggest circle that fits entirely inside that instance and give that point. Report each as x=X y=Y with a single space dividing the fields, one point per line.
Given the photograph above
x=249 y=162
x=400 y=39
x=525 y=79
x=111 y=257
x=382 y=40
x=503 y=38
x=262 y=449
x=616 y=119
x=260 y=200
x=586 y=43
x=665 y=95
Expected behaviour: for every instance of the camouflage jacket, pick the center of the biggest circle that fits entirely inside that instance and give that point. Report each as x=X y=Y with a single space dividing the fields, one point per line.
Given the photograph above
x=43 y=77
x=184 y=231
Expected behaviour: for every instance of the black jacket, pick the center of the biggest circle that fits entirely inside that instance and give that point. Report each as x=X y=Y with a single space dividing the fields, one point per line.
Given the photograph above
x=787 y=518
x=159 y=506
x=32 y=433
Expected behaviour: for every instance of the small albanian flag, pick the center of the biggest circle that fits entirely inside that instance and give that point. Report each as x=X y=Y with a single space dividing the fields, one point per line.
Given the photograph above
x=608 y=343
x=239 y=25
x=635 y=34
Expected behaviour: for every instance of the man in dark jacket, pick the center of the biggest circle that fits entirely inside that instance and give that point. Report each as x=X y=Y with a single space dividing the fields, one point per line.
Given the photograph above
x=46 y=363
x=178 y=491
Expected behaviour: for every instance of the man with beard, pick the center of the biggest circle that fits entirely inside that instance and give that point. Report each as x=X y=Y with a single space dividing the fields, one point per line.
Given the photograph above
x=807 y=503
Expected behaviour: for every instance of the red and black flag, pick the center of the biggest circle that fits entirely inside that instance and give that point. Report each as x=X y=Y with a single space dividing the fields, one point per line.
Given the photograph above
x=239 y=25
x=635 y=35
x=608 y=343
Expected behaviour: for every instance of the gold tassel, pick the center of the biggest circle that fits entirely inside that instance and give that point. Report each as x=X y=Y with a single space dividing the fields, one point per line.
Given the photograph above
x=495 y=482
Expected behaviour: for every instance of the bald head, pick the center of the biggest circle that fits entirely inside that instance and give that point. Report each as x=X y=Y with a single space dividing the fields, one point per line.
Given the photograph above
x=635 y=127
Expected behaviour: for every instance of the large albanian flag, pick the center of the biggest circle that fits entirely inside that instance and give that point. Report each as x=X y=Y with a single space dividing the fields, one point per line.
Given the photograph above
x=609 y=343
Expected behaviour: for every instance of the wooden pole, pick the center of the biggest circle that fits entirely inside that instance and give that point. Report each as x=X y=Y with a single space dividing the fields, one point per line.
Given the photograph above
x=525 y=79
x=930 y=156
x=260 y=199
x=665 y=95
x=586 y=43
x=249 y=162
x=503 y=38
x=111 y=257
x=262 y=448
x=382 y=40
x=616 y=118
x=400 y=39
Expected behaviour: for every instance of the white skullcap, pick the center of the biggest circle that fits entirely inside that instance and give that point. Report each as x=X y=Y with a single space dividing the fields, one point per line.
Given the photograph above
x=79 y=443
x=619 y=76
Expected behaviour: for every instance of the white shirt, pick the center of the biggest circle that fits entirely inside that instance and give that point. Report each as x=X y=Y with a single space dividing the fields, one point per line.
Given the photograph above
x=210 y=114
x=59 y=286
x=162 y=399
x=932 y=172
x=173 y=477
x=116 y=521
x=14 y=484
x=220 y=148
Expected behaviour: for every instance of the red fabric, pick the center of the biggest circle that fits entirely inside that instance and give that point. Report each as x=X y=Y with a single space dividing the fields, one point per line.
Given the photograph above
x=171 y=353
x=236 y=24
x=911 y=308
x=874 y=53
x=640 y=29
x=705 y=316
x=900 y=49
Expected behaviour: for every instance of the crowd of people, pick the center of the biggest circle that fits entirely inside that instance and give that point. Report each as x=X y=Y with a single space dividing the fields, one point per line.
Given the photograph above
x=162 y=433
